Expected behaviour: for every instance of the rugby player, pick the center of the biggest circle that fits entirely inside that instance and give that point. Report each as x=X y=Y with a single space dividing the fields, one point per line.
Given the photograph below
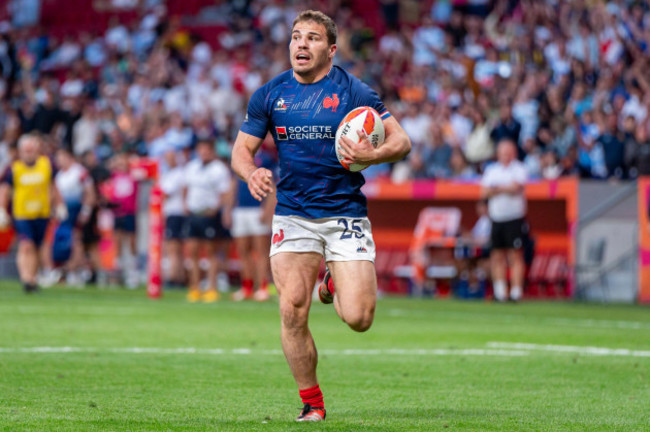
x=320 y=209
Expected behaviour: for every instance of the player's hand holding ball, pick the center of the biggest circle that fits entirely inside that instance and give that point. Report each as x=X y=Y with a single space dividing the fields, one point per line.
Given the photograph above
x=260 y=183
x=360 y=133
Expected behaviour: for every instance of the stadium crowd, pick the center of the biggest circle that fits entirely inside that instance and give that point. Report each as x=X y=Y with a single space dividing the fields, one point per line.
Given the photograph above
x=566 y=80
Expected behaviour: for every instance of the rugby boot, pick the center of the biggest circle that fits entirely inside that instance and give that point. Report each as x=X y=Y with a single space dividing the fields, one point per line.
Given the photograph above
x=310 y=414
x=326 y=289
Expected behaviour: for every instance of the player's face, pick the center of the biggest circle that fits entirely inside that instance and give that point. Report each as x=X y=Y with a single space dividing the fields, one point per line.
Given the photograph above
x=311 y=53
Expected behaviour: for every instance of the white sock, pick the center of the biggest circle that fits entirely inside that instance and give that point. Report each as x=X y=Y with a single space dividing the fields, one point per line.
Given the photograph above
x=516 y=293
x=499 y=290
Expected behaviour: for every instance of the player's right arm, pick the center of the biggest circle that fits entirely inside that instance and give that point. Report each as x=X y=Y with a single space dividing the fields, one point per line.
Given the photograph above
x=259 y=179
x=249 y=139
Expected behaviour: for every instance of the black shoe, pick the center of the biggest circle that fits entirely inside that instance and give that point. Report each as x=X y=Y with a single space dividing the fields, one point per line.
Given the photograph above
x=30 y=288
x=310 y=414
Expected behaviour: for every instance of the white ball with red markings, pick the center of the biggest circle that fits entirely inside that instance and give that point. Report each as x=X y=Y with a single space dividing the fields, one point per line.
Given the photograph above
x=364 y=119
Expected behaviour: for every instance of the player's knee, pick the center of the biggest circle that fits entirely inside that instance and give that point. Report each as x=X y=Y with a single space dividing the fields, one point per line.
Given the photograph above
x=294 y=313
x=361 y=320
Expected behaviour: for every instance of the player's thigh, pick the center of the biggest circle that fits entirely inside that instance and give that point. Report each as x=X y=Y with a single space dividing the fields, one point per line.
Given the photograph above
x=294 y=274
x=355 y=283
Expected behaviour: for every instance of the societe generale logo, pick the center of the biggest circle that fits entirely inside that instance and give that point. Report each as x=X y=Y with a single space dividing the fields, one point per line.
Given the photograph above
x=281 y=132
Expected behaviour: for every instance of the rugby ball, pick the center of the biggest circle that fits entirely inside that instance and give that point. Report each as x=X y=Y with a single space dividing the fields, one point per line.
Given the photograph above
x=365 y=119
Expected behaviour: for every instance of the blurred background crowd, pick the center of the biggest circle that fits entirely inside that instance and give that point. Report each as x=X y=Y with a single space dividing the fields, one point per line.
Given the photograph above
x=109 y=80
x=567 y=80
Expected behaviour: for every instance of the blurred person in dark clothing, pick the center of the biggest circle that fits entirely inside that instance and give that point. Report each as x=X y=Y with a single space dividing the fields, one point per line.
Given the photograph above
x=613 y=147
x=46 y=114
x=569 y=163
x=507 y=127
x=90 y=234
x=432 y=159
x=637 y=153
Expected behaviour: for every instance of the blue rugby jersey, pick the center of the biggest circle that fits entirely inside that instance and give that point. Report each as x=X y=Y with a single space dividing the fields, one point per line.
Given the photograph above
x=303 y=119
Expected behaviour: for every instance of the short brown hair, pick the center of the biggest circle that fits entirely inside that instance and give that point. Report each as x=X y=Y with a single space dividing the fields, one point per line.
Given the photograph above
x=319 y=18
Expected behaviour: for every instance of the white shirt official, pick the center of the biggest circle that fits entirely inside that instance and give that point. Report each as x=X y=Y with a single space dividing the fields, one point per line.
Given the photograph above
x=205 y=185
x=505 y=207
x=172 y=183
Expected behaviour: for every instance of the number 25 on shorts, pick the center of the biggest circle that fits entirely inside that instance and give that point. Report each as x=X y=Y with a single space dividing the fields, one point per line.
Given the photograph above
x=350 y=229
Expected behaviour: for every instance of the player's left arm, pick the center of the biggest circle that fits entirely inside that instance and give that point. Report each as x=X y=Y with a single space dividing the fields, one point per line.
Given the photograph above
x=395 y=147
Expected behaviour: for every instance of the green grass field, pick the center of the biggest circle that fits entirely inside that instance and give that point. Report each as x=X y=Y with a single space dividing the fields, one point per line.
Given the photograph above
x=115 y=361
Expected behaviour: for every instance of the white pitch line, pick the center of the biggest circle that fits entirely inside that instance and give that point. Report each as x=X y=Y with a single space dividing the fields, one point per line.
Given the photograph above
x=577 y=322
x=247 y=351
x=587 y=350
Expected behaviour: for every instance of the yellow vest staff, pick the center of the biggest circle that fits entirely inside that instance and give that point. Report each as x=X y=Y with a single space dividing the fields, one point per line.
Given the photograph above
x=31 y=185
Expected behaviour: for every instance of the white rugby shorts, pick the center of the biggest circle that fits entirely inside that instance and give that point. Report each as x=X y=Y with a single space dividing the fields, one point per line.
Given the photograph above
x=337 y=239
x=246 y=222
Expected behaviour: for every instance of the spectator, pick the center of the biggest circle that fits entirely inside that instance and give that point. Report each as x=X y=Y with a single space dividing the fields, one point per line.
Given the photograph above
x=564 y=135
x=460 y=167
x=637 y=153
x=428 y=40
x=435 y=155
x=503 y=186
x=479 y=147
x=612 y=146
x=86 y=132
x=507 y=127
x=416 y=124
x=550 y=165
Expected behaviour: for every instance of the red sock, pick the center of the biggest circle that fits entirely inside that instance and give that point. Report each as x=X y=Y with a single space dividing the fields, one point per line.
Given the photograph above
x=312 y=396
x=330 y=285
x=264 y=285
x=247 y=286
